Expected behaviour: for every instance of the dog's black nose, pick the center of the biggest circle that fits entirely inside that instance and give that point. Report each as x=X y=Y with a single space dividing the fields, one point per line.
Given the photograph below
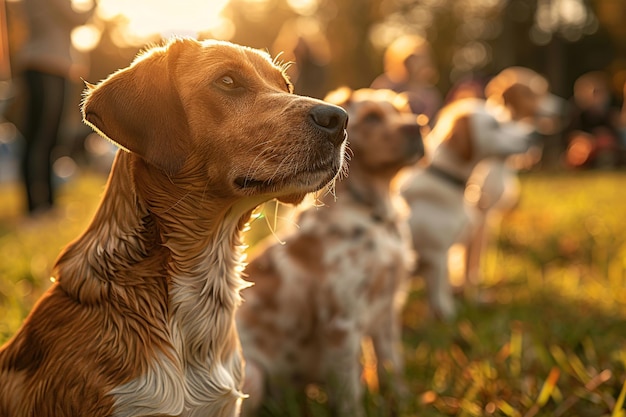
x=330 y=119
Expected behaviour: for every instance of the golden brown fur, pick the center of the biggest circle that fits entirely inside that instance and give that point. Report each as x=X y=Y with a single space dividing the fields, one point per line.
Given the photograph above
x=140 y=320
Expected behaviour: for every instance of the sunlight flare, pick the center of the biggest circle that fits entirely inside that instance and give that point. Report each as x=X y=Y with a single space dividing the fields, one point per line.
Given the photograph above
x=143 y=19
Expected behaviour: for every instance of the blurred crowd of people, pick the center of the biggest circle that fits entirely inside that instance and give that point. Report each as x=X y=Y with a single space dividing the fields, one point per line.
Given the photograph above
x=587 y=130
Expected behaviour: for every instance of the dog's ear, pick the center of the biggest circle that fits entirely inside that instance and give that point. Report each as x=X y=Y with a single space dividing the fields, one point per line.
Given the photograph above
x=139 y=109
x=401 y=102
x=459 y=138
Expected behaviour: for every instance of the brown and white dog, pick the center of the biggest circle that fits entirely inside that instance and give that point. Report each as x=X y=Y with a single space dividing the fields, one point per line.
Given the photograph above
x=515 y=95
x=141 y=318
x=467 y=134
x=339 y=278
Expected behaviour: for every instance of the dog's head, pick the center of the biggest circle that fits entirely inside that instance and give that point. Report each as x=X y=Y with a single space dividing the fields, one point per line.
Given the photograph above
x=223 y=114
x=467 y=129
x=384 y=134
x=518 y=92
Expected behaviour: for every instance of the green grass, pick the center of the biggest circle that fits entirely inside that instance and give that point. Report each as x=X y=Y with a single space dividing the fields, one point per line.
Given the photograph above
x=547 y=338
x=551 y=341
x=29 y=247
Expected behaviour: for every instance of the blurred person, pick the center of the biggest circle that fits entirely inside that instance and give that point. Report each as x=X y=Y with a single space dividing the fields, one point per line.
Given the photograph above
x=5 y=66
x=48 y=63
x=622 y=128
x=8 y=134
x=312 y=70
x=409 y=68
x=592 y=133
x=469 y=86
x=302 y=43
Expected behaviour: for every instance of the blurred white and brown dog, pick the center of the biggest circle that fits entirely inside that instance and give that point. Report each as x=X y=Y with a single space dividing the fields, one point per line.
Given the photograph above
x=340 y=277
x=515 y=95
x=466 y=134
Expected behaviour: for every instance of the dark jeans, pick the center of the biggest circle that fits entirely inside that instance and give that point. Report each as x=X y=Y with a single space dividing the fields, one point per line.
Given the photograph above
x=46 y=97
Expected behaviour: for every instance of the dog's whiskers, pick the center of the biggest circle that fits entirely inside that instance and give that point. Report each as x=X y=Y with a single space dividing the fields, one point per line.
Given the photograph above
x=274 y=228
x=259 y=144
x=180 y=200
x=254 y=167
x=286 y=160
x=331 y=189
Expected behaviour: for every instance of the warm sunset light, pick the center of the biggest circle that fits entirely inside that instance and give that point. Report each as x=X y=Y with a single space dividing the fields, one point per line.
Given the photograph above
x=86 y=37
x=143 y=19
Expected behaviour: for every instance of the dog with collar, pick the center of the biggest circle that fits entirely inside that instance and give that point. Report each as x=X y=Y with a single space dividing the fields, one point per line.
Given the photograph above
x=340 y=276
x=466 y=133
x=516 y=94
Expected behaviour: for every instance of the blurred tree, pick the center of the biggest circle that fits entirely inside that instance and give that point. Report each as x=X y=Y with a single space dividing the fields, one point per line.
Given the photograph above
x=346 y=24
x=258 y=22
x=550 y=36
x=467 y=36
x=355 y=60
x=561 y=39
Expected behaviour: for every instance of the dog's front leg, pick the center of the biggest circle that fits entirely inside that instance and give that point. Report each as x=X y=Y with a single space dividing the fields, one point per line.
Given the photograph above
x=387 y=345
x=475 y=249
x=387 y=340
x=433 y=268
x=343 y=370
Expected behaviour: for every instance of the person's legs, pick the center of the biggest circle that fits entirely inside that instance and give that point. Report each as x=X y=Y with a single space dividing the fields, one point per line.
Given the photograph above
x=45 y=107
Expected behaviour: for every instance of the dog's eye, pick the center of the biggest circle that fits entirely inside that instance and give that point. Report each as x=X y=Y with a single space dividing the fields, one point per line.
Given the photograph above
x=227 y=82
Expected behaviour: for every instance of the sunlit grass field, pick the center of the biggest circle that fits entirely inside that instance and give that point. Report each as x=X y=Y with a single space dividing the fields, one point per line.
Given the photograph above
x=543 y=335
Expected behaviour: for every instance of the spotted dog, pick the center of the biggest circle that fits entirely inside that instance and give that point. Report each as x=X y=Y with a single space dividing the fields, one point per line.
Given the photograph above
x=340 y=277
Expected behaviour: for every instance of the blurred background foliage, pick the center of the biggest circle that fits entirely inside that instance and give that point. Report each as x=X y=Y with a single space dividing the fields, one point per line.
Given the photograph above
x=560 y=39
x=342 y=42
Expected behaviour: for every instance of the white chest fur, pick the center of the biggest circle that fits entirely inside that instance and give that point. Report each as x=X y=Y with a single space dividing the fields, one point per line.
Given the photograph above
x=205 y=376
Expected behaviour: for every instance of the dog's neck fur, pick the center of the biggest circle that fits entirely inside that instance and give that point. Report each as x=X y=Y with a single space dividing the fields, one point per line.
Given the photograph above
x=196 y=265
x=368 y=190
x=450 y=162
x=120 y=238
